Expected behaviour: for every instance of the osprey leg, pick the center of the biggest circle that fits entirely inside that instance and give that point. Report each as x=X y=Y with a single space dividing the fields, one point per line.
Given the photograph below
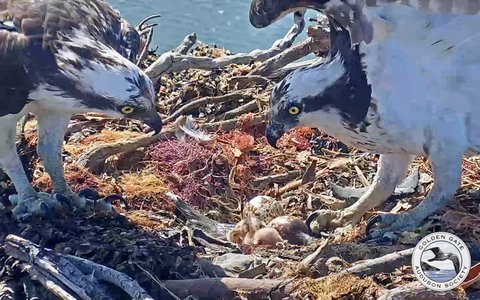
x=51 y=134
x=9 y=159
x=26 y=200
x=447 y=172
x=391 y=171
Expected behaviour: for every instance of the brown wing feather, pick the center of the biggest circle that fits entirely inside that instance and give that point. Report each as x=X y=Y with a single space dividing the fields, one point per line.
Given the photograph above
x=40 y=26
x=51 y=17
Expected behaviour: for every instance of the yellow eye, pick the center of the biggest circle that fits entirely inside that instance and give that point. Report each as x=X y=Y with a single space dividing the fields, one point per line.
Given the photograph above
x=127 y=110
x=294 y=110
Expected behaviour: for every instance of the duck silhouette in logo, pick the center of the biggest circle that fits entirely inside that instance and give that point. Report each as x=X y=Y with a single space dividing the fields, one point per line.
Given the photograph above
x=441 y=256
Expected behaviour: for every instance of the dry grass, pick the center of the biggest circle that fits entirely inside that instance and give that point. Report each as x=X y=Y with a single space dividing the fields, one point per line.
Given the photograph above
x=142 y=185
x=337 y=287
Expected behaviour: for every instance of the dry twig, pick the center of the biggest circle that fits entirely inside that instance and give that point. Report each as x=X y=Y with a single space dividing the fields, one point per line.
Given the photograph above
x=194 y=104
x=241 y=110
x=308 y=261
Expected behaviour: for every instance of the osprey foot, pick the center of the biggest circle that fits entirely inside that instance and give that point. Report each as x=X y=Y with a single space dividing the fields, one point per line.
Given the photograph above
x=42 y=204
x=98 y=203
x=326 y=219
x=390 y=224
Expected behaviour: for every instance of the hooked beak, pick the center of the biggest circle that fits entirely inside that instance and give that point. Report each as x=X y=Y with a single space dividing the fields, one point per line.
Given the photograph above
x=154 y=121
x=274 y=132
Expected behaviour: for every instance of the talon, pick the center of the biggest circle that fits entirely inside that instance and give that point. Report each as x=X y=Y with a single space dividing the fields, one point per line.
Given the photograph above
x=65 y=200
x=309 y=220
x=321 y=220
x=47 y=211
x=89 y=194
x=371 y=222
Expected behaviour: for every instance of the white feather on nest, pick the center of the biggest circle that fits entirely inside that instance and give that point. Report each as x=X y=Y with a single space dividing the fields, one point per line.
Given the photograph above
x=185 y=126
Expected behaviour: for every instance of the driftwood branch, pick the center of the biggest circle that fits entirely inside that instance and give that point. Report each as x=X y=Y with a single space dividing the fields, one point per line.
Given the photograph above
x=146 y=35
x=61 y=269
x=61 y=274
x=415 y=290
x=174 y=62
x=227 y=288
x=302 y=49
x=262 y=182
x=48 y=282
x=284 y=71
x=384 y=264
x=247 y=81
x=144 y=51
x=310 y=260
x=144 y=21
x=186 y=44
x=103 y=273
x=299 y=182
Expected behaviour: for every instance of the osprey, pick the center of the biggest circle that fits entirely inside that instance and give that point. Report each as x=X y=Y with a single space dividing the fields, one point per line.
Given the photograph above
x=401 y=80
x=59 y=58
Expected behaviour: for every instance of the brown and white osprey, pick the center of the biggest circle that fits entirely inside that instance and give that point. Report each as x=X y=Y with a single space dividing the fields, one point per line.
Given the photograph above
x=59 y=58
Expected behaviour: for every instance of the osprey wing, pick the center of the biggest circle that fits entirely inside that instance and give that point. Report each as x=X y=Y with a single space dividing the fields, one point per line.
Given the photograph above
x=20 y=31
x=353 y=14
x=53 y=19
x=31 y=31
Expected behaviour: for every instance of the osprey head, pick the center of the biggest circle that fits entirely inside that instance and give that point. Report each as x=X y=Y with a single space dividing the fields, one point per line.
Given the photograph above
x=87 y=76
x=266 y=12
x=325 y=94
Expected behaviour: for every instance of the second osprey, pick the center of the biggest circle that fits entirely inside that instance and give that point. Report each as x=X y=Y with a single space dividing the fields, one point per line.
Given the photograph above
x=401 y=81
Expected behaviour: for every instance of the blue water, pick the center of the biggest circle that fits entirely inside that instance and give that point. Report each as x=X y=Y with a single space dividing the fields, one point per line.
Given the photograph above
x=221 y=22
x=441 y=276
